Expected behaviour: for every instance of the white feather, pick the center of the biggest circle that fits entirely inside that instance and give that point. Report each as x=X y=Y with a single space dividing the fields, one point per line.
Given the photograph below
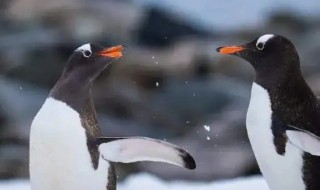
x=280 y=171
x=85 y=47
x=305 y=141
x=59 y=157
x=137 y=149
x=263 y=39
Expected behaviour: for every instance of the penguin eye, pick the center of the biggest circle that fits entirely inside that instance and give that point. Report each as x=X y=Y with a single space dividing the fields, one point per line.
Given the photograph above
x=86 y=53
x=260 y=46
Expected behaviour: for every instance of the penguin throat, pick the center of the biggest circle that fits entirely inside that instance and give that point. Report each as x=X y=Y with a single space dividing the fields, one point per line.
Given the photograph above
x=284 y=76
x=75 y=93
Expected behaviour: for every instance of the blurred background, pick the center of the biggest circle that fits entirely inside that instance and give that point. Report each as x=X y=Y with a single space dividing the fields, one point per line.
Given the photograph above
x=171 y=84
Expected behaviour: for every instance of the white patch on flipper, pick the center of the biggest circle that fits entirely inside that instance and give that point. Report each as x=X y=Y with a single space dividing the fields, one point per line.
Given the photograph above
x=85 y=47
x=263 y=39
x=280 y=171
x=305 y=141
x=135 y=149
x=59 y=157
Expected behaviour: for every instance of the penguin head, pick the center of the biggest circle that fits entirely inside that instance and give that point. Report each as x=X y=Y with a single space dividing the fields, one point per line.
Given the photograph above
x=89 y=60
x=268 y=53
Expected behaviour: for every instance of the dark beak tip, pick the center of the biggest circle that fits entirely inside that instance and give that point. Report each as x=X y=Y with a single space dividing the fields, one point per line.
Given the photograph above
x=218 y=49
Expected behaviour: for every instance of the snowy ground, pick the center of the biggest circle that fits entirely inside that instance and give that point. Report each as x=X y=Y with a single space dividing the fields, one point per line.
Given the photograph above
x=146 y=181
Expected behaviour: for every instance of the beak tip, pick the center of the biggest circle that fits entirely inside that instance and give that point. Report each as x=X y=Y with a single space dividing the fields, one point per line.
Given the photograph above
x=218 y=49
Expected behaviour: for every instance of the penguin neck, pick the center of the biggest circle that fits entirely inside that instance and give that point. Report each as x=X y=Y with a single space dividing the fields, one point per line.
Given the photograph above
x=282 y=78
x=75 y=93
x=289 y=95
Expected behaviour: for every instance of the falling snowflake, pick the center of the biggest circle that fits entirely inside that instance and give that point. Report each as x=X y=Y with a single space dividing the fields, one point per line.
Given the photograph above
x=157 y=83
x=208 y=138
x=206 y=127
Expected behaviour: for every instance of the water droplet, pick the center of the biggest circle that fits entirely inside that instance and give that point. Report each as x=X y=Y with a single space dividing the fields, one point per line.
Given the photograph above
x=208 y=138
x=157 y=83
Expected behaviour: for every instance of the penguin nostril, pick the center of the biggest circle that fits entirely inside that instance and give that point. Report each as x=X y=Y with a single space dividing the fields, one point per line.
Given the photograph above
x=86 y=53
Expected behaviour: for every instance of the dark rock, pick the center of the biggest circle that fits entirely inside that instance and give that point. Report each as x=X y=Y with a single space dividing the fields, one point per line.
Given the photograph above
x=161 y=28
x=20 y=103
x=290 y=21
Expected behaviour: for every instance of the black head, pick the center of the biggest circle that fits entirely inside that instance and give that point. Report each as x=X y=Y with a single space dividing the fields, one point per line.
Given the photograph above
x=269 y=54
x=89 y=60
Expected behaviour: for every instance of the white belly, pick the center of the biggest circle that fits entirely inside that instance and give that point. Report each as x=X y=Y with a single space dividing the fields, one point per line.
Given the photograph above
x=280 y=172
x=59 y=158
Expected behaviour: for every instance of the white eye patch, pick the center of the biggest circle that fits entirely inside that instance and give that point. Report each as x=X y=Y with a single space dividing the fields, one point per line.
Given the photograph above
x=263 y=40
x=85 y=50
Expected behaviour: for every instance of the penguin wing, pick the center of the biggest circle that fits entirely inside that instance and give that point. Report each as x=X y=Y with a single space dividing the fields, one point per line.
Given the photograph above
x=304 y=140
x=135 y=149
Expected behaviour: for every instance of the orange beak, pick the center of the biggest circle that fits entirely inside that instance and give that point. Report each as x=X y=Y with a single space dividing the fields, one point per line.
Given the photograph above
x=230 y=49
x=112 y=52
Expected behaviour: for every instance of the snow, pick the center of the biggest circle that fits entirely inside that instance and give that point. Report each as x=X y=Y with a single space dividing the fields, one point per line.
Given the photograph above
x=207 y=128
x=147 y=181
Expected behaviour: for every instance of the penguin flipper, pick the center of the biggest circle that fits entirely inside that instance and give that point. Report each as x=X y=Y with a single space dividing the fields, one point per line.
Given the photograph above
x=304 y=140
x=135 y=149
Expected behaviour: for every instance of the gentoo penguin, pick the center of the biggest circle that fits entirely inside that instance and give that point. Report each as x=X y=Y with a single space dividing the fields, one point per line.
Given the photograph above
x=283 y=118
x=67 y=150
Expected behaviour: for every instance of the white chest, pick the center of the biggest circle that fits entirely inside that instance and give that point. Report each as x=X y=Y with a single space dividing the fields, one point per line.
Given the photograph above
x=281 y=172
x=59 y=158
